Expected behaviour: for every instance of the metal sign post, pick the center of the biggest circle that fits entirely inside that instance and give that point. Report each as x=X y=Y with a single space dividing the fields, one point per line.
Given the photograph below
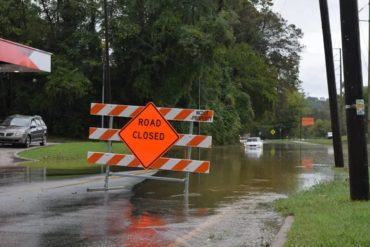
x=109 y=151
x=187 y=175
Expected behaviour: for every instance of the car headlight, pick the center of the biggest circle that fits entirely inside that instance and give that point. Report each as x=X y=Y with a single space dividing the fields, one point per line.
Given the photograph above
x=18 y=133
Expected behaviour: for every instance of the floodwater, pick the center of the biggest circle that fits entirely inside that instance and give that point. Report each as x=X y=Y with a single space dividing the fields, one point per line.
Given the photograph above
x=231 y=206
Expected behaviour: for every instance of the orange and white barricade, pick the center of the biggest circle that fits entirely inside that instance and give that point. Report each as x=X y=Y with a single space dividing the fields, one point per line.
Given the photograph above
x=161 y=163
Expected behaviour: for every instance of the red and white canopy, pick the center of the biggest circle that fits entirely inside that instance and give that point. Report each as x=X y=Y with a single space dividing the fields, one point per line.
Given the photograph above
x=15 y=57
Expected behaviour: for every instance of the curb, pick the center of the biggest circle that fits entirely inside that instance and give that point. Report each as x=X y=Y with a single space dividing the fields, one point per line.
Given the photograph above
x=23 y=159
x=281 y=237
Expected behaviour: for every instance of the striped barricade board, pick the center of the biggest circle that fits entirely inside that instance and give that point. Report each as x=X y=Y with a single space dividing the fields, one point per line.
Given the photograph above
x=163 y=163
x=130 y=111
x=186 y=140
x=142 y=116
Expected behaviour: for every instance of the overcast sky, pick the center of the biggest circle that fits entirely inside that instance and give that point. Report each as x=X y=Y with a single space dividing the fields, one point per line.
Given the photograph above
x=306 y=15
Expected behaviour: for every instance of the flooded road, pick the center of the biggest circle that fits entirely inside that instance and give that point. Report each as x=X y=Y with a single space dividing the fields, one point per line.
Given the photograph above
x=228 y=207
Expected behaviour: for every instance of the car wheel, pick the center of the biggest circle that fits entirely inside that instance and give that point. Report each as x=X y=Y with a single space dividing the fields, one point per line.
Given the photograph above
x=44 y=141
x=27 y=144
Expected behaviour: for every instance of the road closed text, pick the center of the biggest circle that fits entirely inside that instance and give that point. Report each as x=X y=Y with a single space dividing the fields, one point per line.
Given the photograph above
x=148 y=135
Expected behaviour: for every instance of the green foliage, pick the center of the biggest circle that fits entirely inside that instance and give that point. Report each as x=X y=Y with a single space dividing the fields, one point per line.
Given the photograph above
x=236 y=57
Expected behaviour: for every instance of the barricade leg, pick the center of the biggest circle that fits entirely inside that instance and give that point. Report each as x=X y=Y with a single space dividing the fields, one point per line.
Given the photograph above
x=187 y=176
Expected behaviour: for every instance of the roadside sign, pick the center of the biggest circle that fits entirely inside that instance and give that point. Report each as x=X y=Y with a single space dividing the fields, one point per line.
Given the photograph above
x=148 y=135
x=272 y=132
x=307 y=121
x=360 y=107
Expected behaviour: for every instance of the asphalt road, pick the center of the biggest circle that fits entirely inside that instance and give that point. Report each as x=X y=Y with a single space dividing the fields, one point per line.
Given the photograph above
x=61 y=212
x=39 y=211
x=7 y=155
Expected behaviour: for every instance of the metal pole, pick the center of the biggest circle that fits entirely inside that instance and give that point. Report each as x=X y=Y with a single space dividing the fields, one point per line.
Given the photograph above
x=368 y=84
x=357 y=147
x=106 y=181
x=102 y=90
x=337 y=140
x=107 y=74
x=107 y=87
x=188 y=156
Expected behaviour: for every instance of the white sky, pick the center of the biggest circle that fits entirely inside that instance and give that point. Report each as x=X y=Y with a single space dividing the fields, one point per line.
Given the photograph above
x=305 y=14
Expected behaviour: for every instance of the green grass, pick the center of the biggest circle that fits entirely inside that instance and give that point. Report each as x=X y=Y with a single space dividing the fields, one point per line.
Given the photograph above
x=325 y=216
x=68 y=158
x=324 y=141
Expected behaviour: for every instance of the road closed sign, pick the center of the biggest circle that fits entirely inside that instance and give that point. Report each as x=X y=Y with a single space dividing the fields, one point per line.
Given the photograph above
x=148 y=135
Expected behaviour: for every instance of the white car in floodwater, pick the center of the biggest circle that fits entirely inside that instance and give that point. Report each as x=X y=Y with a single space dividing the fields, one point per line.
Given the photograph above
x=253 y=142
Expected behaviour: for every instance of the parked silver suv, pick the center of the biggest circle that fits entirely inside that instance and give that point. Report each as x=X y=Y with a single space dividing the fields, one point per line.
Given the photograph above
x=21 y=129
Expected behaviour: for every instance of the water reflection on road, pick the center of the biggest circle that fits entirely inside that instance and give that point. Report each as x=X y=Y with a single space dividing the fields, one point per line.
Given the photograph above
x=228 y=207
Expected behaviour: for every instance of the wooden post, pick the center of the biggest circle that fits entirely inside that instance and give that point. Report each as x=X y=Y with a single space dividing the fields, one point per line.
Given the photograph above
x=330 y=72
x=357 y=147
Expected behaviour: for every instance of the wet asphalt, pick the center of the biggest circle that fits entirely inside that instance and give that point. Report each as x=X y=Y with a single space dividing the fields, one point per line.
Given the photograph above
x=7 y=155
x=229 y=207
x=60 y=213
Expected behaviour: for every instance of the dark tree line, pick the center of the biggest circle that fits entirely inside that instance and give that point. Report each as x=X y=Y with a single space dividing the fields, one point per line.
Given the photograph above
x=238 y=56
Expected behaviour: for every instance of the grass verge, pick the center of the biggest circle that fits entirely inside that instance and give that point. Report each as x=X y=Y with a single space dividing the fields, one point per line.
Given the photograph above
x=68 y=158
x=324 y=141
x=325 y=216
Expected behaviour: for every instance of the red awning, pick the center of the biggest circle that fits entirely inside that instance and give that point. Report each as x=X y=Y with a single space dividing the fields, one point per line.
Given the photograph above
x=15 y=57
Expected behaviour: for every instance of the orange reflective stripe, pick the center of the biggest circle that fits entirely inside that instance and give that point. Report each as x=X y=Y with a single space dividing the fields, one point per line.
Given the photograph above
x=203 y=167
x=108 y=134
x=159 y=163
x=97 y=108
x=117 y=110
x=181 y=165
x=164 y=111
x=94 y=158
x=92 y=130
x=183 y=114
x=139 y=109
x=115 y=159
x=134 y=163
x=196 y=140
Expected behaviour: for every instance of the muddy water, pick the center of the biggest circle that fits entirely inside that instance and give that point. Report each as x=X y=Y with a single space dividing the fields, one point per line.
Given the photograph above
x=231 y=205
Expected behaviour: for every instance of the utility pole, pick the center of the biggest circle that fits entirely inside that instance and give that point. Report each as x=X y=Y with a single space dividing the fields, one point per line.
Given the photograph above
x=357 y=147
x=368 y=84
x=107 y=84
x=330 y=72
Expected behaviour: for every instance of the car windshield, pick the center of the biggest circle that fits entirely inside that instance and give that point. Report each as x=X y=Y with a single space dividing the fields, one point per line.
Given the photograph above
x=252 y=140
x=17 y=121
